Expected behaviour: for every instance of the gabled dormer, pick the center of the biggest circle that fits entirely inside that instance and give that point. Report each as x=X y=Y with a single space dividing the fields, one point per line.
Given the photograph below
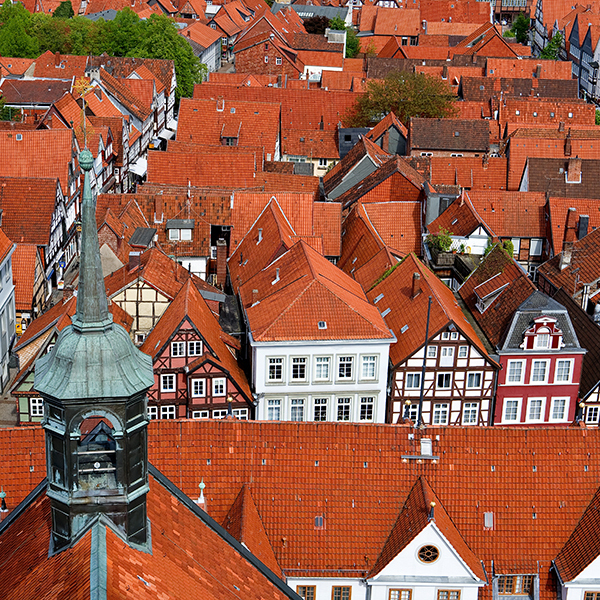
x=426 y=549
x=543 y=335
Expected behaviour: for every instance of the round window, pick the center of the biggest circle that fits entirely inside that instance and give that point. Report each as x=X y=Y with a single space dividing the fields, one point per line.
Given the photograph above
x=428 y=554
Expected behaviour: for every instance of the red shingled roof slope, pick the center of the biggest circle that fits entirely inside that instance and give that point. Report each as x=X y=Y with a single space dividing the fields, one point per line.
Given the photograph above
x=23 y=268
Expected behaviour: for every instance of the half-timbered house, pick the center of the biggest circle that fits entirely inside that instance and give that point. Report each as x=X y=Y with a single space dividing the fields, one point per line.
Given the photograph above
x=541 y=361
x=147 y=284
x=441 y=369
x=196 y=374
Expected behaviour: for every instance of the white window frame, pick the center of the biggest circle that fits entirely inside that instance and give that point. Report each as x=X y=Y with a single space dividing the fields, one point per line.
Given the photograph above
x=447 y=356
x=200 y=414
x=366 y=402
x=152 y=412
x=320 y=402
x=177 y=349
x=241 y=414
x=440 y=409
x=273 y=412
x=347 y=359
x=508 y=375
x=469 y=406
x=219 y=413
x=530 y=401
x=219 y=382
x=278 y=60
x=546 y=369
x=271 y=362
x=173 y=235
x=545 y=337
x=432 y=352
x=323 y=163
x=344 y=403
x=185 y=235
x=592 y=414
x=517 y=418
x=437 y=384
x=326 y=363
x=553 y=402
x=365 y=362
x=463 y=352
x=413 y=376
x=537 y=243
x=164 y=383
x=304 y=361
x=168 y=411
x=192 y=346
x=36 y=407
x=298 y=404
x=569 y=379
x=193 y=388
x=474 y=374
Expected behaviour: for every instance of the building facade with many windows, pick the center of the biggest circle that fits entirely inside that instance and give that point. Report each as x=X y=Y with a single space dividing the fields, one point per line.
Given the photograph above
x=541 y=361
x=319 y=350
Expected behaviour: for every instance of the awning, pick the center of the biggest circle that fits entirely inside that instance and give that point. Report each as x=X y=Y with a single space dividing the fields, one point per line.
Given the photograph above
x=166 y=134
x=139 y=167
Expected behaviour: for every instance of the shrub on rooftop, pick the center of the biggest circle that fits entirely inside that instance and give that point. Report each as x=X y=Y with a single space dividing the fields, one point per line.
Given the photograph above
x=440 y=241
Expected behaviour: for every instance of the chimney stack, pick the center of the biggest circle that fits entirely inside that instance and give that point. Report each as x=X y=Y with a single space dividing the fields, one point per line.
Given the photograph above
x=134 y=260
x=568 y=143
x=57 y=59
x=416 y=285
x=561 y=126
x=221 y=263
x=573 y=174
x=566 y=255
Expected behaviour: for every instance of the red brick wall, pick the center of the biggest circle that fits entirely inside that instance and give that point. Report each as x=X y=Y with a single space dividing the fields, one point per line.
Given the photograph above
x=107 y=236
x=252 y=60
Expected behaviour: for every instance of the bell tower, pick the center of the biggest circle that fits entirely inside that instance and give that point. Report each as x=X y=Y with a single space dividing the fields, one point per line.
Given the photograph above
x=94 y=385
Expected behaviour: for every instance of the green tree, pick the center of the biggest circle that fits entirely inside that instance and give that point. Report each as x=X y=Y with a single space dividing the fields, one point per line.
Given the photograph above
x=352 y=41
x=52 y=34
x=159 y=38
x=552 y=49
x=597 y=117
x=520 y=28
x=405 y=94
x=15 y=41
x=124 y=33
x=316 y=24
x=64 y=10
x=337 y=23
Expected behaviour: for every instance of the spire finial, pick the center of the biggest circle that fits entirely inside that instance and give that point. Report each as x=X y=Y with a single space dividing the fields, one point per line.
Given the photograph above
x=92 y=307
x=3 y=508
x=201 y=502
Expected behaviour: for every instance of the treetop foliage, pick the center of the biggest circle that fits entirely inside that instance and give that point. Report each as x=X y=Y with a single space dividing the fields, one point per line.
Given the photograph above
x=406 y=95
x=552 y=49
x=26 y=35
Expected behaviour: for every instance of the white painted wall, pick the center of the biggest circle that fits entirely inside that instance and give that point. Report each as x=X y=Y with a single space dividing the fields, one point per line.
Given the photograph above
x=311 y=388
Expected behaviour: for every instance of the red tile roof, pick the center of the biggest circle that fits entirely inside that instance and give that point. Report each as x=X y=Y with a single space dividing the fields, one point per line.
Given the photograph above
x=398 y=224
x=396 y=288
x=530 y=67
x=202 y=35
x=23 y=267
x=188 y=304
x=31 y=222
x=470 y=172
x=361 y=463
x=460 y=218
x=36 y=154
x=311 y=143
x=309 y=289
x=499 y=273
x=558 y=209
x=254 y=124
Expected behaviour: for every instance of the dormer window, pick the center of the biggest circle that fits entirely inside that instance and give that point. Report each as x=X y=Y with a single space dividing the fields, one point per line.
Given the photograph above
x=542 y=341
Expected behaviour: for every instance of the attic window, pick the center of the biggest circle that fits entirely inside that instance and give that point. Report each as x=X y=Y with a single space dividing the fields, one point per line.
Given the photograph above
x=232 y=110
x=488 y=520
x=515 y=585
x=535 y=114
x=322 y=325
x=404 y=329
x=552 y=115
x=377 y=298
x=19 y=137
x=456 y=133
x=386 y=312
x=319 y=522
x=428 y=554
x=570 y=115
x=517 y=112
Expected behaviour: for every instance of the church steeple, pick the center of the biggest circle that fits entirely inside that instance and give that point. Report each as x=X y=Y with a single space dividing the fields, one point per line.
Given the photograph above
x=94 y=385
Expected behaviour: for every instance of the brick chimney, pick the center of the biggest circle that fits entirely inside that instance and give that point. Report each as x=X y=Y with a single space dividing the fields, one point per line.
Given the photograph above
x=561 y=126
x=566 y=255
x=416 y=285
x=221 y=263
x=570 y=227
x=57 y=59
x=134 y=260
x=573 y=174
x=568 y=143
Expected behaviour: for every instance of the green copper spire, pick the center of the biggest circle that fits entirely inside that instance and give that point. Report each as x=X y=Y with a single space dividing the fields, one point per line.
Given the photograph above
x=93 y=358
x=92 y=308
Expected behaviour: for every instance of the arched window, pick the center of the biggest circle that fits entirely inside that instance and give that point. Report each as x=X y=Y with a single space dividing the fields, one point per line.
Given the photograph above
x=96 y=455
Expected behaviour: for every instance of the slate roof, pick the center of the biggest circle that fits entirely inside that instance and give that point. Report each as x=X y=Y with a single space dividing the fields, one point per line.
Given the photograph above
x=497 y=272
x=583 y=269
x=539 y=304
x=549 y=175
x=449 y=134
x=33 y=91
x=396 y=288
x=309 y=289
x=484 y=88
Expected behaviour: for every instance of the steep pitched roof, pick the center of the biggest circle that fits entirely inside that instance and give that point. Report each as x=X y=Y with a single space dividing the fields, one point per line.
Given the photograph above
x=309 y=290
x=245 y=525
x=449 y=134
x=460 y=218
x=470 y=172
x=415 y=515
x=499 y=286
x=188 y=304
x=23 y=267
x=394 y=292
x=583 y=269
x=583 y=546
x=390 y=120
